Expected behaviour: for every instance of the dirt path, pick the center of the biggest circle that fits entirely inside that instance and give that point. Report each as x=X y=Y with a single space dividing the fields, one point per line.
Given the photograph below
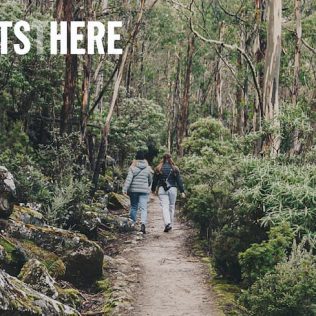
x=170 y=282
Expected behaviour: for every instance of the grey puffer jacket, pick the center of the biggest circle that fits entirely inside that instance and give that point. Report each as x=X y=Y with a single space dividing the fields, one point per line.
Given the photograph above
x=139 y=178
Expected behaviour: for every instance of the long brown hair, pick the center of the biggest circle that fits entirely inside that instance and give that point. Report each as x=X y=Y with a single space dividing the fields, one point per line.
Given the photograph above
x=166 y=159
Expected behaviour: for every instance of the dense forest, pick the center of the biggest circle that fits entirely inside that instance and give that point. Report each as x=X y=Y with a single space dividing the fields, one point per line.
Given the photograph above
x=227 y=87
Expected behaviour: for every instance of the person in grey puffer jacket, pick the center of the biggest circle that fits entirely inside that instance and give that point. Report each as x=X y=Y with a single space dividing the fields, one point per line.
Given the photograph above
x=137 y=186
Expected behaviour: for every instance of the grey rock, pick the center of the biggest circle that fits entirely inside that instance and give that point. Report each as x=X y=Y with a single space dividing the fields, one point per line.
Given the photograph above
x=7 y=191
x=36 y=275
x=17 y=298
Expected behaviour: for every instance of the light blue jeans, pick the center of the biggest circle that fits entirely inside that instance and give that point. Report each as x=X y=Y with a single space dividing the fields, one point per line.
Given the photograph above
x=138 y=200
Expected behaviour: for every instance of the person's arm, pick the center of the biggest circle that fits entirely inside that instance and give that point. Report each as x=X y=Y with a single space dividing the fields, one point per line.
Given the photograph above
x=155 y=182
x=128 y=181
x=179 y=181
x=150 y=177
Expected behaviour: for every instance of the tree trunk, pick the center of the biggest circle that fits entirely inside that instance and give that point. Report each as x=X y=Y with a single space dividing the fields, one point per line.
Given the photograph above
x=86 y=76
x=106 y=130
x=296 y=149
x=259 y=49
x=218 y=77
x=70 y=75
x=173 y=123
x=240 y=101
x=271 y=78
x=184 y=112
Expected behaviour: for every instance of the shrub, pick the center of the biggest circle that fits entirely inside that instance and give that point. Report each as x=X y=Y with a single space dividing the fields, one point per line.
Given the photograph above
x=261 y=258
x=31 y=184
x=289 y=290
x=66 y=208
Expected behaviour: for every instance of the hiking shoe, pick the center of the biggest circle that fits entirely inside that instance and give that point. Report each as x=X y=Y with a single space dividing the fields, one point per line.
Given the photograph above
x=167 y=228
x=143 y=228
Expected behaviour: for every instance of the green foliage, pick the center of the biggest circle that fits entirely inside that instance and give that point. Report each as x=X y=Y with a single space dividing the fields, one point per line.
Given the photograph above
x=295 y=118
x=209 y=134
x=261 y=258
x=14 y=139
x=31 y=184
x=289 y=290
x=280 y=191
x=138 y=123
x=67 y=205
x=60 y=158
x=235 y=200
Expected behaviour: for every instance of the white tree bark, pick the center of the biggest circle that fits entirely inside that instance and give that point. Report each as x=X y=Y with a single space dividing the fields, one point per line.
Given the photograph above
x=271 y=78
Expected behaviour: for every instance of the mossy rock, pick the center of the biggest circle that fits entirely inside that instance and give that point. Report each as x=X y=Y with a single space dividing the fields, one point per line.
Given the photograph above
x=90 y=221
x=35 y=274
x=7 y=188
x=55 y=266
x=6 y=205
x=70 y=296
x=83 y=258
x=27 y=215
x=17 y=298
x=118 y=201
x=13 y=257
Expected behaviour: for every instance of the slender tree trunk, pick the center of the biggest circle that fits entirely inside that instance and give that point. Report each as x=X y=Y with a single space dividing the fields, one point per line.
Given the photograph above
x=240 y=102
x=86 y=76
x=184 y=112
x=259 y=49
x=142 y=82
x=70 y=76
x=106 y=130
x=105 y=6
x=218 y=77
x=297 y=68
x=271 y=79
x=59 y=9
x=129 y=73
x=298 y=48
x=173 y=123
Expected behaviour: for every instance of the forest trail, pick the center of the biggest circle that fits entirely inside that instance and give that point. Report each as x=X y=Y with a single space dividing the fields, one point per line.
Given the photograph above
x=172 y=283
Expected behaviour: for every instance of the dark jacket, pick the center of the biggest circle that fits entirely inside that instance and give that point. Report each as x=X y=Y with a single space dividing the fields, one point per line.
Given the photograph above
x=167 y=173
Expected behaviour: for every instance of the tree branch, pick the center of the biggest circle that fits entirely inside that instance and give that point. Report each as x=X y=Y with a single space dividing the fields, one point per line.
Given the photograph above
x=234 y=15
x=230 y=47
x=312 y=49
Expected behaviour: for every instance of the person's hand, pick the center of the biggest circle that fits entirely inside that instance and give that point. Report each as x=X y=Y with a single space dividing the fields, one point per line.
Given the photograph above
x=183 y=195
x=124 y=193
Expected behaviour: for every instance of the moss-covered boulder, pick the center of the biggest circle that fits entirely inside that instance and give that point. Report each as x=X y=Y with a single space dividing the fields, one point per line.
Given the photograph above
x=27 y=215
x=83 y=258
x=118 y=201
x=54 y=264
x=12 y=257
x=36 y=275
x=7 y=189
x=70 y=296
x=90 y=221
x=17 y=298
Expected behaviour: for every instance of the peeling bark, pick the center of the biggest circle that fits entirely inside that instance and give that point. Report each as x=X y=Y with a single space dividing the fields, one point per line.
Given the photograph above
x=271 y=78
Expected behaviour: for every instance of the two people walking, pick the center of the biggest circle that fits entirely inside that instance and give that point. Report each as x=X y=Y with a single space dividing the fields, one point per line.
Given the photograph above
x=164 y=181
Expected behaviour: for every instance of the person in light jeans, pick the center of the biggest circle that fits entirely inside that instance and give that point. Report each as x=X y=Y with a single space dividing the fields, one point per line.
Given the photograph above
x=137 y=186
x=167 y=179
